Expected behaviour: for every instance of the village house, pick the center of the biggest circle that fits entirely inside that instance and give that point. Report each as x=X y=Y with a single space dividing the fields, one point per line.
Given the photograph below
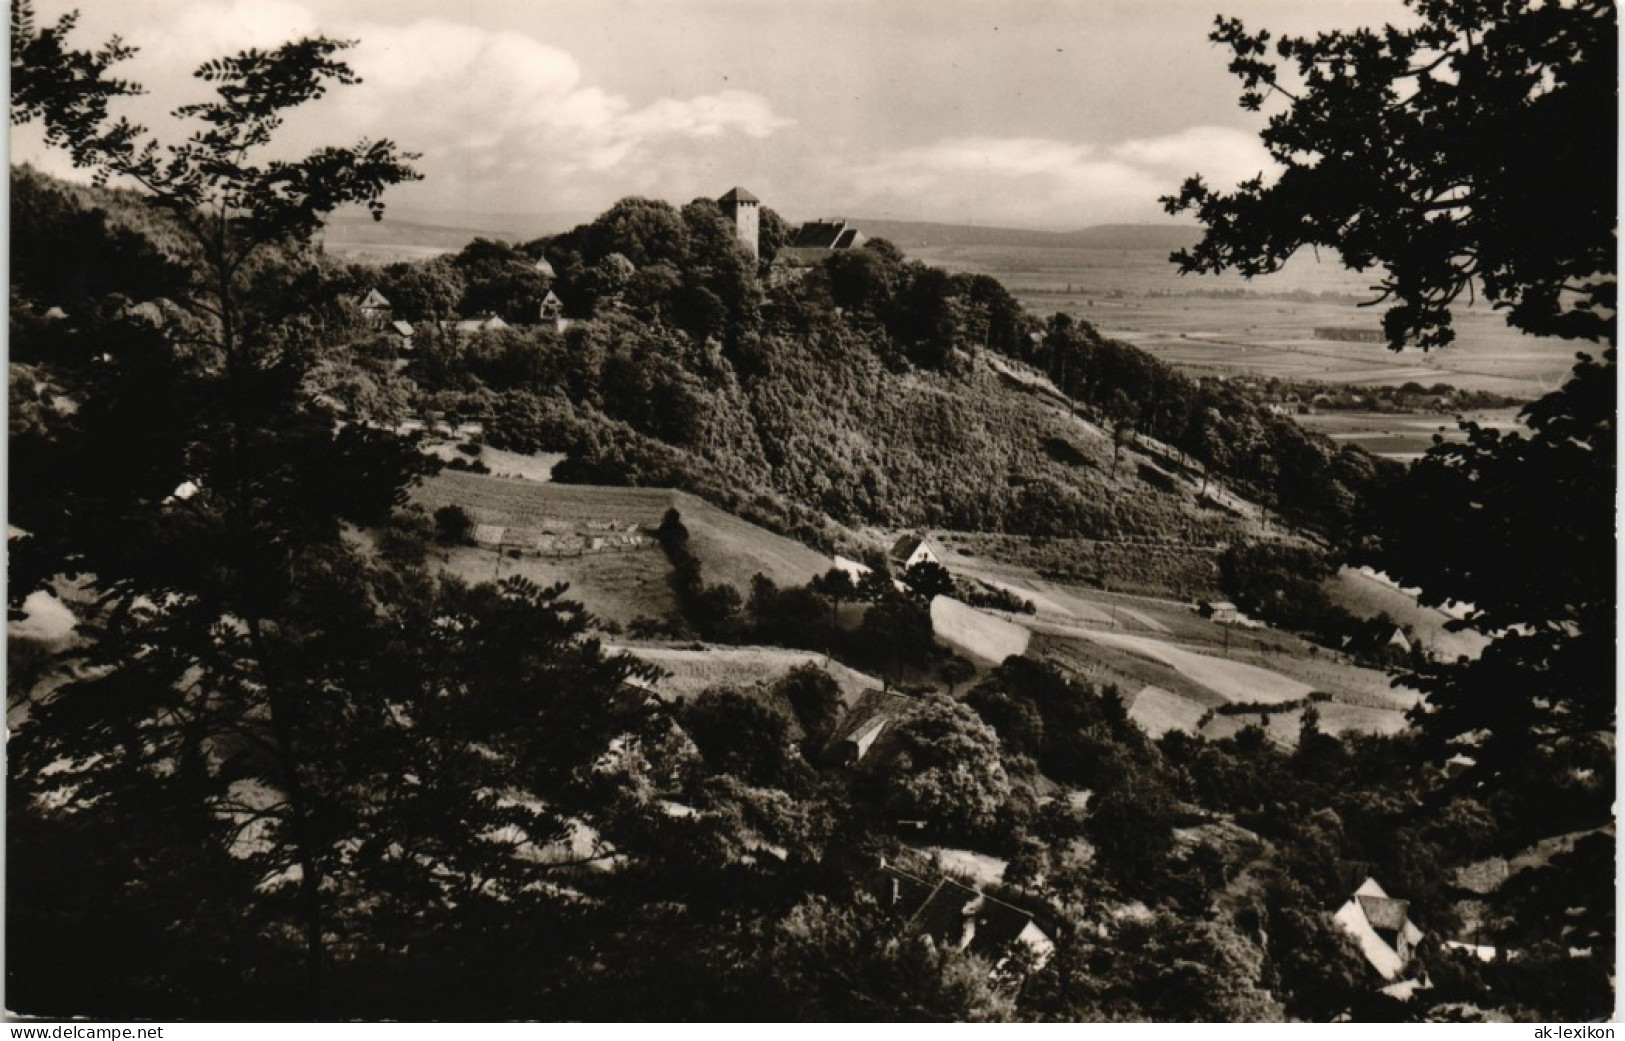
x=400 y=333
x=1382 y=927
x=966 y=919
x=465 y=327
x=551 y=312
x=376 y=308
x=852 y=747
x=1222 y=612
x=913 y=549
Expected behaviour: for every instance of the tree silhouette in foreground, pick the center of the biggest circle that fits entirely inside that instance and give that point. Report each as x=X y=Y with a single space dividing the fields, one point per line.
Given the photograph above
x=288 y=769
x=1472 y=155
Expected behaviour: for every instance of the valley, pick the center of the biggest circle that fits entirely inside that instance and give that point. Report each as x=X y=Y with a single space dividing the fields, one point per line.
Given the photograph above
x=1224 y=325
x=1172 y=667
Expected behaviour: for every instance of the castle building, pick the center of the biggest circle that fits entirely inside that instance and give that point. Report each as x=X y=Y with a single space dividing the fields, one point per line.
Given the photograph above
x=745 y=211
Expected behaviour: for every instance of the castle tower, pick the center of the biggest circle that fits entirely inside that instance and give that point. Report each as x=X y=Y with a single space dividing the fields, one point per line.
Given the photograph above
x=744 y=209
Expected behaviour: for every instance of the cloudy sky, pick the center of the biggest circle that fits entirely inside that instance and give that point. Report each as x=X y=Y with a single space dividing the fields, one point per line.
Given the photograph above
x=1034 y=113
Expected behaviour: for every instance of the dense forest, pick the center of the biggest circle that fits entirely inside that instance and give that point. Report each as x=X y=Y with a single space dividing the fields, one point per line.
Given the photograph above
x=286 y=767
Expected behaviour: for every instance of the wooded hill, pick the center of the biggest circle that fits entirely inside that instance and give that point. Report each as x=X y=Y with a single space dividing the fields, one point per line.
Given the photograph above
x=858 y=395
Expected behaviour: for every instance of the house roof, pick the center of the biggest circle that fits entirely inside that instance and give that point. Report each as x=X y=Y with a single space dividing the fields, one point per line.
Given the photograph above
x=865 y=735
x=1384 y=912
x=404 y=328
x=542 y=267
x=374 y=299
x=800 y=256
x=469 y=326
x=906 y=891
x=739 y=195
x=908 y=545
x=965 y=918
x=819 y=234
x=1356 y=918
x=868 y=717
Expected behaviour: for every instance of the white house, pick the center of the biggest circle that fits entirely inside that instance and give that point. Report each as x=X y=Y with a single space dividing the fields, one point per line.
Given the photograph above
x=913 y=549
x=1382 y=926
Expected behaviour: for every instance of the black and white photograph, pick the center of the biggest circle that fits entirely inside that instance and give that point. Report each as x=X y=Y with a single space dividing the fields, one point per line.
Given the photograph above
x=811 y=511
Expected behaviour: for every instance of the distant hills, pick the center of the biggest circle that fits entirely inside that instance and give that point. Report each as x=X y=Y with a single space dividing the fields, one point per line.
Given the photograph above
x=1101 y=236
x=428 y=230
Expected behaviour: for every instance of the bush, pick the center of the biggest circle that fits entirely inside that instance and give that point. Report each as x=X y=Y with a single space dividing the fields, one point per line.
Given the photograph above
x=453 y=526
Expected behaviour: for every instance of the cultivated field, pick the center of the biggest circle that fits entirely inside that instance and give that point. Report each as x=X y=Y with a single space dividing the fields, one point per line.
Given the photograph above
x=1226 y=326
x=977 y=635
x=381 y=253
x=1156 y=711
x=734 y=551
x=532 y=467
x=691 y=672
x=619 y=585
x=1401 y=437
x=615 y=587
x=1368 y=597
x=1173 y=666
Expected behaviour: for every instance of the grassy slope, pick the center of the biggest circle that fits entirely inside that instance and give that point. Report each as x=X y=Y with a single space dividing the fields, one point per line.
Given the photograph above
x=733 y=551
x=691 y=672
x=1367 y=597
x=623 y=585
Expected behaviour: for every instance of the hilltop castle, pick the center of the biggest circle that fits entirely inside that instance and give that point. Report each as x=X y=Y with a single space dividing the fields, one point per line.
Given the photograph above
x=811 y=243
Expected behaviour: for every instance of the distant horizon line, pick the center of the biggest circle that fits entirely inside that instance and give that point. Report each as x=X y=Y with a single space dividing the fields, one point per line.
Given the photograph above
x=457 y=220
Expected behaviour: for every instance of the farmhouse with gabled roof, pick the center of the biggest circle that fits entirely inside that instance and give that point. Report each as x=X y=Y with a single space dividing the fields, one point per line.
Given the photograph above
x=966 y=919
x=913 y=549
x=1382 y=926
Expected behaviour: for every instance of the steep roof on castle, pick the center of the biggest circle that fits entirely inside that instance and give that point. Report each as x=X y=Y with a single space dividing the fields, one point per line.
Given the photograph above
x=738 y=195
x=801 y=256
x=819 y=234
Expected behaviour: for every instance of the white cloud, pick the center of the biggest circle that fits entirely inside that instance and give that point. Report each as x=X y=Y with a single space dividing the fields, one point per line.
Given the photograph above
x=1224 y=156
x=508 y=122
x=511 y=123
x=503 y=121
x=1046 y=182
